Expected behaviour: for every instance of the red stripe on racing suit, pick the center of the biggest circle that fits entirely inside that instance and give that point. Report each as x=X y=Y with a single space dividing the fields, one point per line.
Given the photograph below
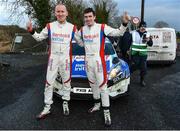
x=70 y=53
x=102 y=55
x=49 y=42
x=91 y=82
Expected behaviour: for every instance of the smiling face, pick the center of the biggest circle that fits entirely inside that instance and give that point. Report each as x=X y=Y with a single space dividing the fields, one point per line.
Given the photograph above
x=89 y=18
x=61 y=13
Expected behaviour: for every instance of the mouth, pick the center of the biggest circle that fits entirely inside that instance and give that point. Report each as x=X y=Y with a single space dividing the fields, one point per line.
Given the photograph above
x=88 y=22
x=60 y=17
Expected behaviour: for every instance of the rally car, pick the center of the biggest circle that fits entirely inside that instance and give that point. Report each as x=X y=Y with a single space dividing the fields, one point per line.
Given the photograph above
x=117 y=71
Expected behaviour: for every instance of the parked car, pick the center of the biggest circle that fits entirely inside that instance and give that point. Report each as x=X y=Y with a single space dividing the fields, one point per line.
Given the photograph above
x=164 y=45
x=118 y=74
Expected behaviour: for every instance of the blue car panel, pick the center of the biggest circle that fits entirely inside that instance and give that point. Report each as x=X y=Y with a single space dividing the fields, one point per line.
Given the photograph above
x=78 y=66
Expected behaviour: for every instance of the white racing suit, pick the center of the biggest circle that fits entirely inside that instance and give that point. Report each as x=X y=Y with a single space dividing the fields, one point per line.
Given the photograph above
x=60 y=57
x=94 y=43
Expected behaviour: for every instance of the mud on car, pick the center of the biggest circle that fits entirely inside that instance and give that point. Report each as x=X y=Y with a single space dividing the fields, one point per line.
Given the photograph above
x=118 y=74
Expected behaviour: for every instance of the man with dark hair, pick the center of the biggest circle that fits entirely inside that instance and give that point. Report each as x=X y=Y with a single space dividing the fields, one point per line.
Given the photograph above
x=93 y=35
x=60 y=34
x=140 y=40
x=87 y=10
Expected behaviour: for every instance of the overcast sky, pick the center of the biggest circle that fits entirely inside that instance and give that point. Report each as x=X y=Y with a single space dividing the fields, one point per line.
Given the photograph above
x=155 y=10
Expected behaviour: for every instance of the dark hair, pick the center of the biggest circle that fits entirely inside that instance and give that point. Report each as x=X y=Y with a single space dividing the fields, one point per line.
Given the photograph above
x=89 y=10
x=142 y=24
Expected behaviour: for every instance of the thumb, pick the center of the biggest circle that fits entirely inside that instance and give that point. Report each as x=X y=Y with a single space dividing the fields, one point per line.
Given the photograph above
x=29 y=26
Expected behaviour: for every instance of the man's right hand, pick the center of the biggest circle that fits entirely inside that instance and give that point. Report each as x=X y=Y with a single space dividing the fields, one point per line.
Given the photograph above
x=126 y=18
x=29 y=26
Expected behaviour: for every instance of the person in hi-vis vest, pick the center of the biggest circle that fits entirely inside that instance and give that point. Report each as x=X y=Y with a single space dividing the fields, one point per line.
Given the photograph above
x=60 y=34
x=93 y=36
x=140 y=40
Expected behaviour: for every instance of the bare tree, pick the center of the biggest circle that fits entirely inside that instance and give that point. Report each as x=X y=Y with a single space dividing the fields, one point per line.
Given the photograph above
x=161 y=24
x=42 y=11
x=106 y=10
x=116 y=22
x=38 y=10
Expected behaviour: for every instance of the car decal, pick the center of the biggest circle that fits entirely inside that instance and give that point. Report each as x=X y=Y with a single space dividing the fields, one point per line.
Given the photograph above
x=78 y=66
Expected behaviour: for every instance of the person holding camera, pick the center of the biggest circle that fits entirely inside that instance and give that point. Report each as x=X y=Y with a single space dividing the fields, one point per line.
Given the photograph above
x=140 y=40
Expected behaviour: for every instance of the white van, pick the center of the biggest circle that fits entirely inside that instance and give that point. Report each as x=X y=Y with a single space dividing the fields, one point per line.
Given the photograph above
x=164 y=45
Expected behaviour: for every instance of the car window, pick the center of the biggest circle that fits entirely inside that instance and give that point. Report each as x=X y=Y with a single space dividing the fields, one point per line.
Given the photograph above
x=78 y=50
x=109 y=50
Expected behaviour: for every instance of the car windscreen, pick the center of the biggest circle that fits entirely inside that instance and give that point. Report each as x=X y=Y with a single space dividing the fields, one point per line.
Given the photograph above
x=78 y=50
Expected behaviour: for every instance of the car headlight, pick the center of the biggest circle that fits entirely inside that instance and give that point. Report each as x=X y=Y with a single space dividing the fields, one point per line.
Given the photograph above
x=115 y=71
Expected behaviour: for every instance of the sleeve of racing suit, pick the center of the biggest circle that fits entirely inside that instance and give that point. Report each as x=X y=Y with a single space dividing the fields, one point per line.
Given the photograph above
x=78 y=39
x=109 y=31
x=41 y=36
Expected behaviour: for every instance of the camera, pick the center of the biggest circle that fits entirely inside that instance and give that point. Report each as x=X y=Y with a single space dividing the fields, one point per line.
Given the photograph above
x=144 y=39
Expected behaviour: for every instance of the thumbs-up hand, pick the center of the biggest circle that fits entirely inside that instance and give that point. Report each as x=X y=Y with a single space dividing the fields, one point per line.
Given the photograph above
x=126 y=18
x=29 y=26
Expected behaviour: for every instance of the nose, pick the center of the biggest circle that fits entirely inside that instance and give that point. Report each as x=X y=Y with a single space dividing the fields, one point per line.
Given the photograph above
x=60 y=13
x=88 y=18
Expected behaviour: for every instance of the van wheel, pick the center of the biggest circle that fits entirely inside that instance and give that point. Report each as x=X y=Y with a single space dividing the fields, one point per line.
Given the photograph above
x=174 y=61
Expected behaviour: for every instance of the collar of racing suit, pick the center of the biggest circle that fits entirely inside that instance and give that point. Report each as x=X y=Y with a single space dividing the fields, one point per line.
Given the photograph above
x=61 y=23
x=92 y=25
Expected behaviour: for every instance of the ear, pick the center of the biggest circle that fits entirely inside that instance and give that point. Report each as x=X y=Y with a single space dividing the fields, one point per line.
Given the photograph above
x=55 y=13
x=94 y=17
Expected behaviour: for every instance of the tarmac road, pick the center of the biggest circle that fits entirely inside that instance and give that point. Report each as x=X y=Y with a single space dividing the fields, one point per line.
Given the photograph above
x=156 y=106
